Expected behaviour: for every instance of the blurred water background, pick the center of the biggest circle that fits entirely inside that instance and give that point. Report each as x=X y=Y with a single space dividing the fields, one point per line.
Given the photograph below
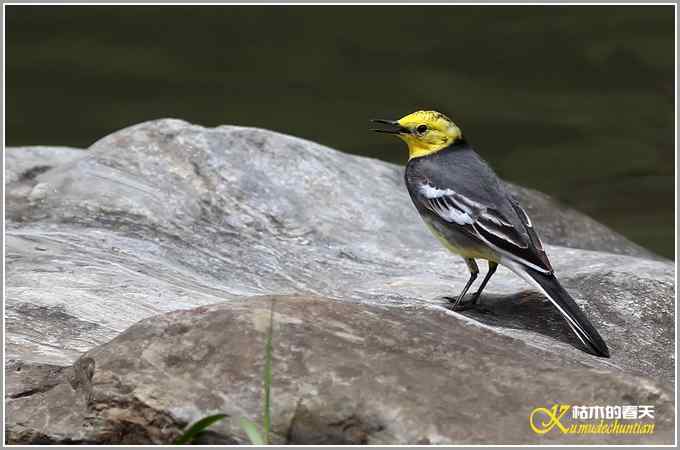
x=575 y=101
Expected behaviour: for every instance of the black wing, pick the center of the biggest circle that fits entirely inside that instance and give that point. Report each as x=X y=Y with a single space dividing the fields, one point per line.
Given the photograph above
x=489 y=224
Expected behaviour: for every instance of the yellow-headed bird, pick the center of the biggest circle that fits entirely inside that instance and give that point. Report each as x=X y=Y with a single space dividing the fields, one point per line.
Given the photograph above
x=469 y=210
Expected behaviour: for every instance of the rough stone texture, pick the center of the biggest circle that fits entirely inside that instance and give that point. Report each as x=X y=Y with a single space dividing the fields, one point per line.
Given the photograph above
x=566 y=227
x=344 y=373
x=559 y=225
x=166 y=216
x=25 y=163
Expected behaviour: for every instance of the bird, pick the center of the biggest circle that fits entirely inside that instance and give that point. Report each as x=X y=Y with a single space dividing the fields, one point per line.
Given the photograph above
x=469 y=209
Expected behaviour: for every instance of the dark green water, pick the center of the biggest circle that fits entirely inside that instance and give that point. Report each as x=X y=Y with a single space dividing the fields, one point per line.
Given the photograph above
x=573 y=101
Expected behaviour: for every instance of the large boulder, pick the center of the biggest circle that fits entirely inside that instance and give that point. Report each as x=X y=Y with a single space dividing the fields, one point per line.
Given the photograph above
x=343 y=373
x=25 y=163
x=167 y=216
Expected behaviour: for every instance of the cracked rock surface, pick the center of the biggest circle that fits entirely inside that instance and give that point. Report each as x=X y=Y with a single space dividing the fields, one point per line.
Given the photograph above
x=344 y=373
x=196 y=230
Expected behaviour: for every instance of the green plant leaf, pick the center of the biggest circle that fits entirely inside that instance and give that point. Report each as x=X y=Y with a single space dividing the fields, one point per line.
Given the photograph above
x=266 y=421
x=251 y=430
x=194 y=430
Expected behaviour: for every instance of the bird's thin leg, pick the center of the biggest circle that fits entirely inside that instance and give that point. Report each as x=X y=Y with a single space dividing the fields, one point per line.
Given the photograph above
x=492 y=269
x=474 y=271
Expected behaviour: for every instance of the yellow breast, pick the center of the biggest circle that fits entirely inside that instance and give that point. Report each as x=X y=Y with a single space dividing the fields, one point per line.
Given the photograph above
x=472 y=252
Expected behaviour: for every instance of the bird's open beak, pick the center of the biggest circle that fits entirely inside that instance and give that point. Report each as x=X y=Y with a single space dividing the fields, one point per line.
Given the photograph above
x=390 y=126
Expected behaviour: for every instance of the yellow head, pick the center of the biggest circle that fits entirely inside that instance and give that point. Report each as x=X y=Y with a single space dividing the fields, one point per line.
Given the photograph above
x=425 y=132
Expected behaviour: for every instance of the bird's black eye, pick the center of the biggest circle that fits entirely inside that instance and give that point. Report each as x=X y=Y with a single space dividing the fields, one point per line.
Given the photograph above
x=421 y=129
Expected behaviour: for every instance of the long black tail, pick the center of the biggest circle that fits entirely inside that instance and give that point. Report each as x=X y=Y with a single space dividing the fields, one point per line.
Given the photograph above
x=577 y=320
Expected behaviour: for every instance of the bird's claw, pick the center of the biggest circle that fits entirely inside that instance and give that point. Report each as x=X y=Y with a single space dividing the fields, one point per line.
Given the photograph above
x=466 y=305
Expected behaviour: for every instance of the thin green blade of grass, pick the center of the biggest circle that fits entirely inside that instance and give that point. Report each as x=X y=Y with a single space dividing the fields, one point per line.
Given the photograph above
x=266 y=421
x=253 y=433
x=194 y=430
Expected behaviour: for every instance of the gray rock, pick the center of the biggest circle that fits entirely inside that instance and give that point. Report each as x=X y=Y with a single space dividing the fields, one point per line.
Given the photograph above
x=567 y=227
x=25 y=163
x=559 y=225
x=343 y=373
x=167 y=216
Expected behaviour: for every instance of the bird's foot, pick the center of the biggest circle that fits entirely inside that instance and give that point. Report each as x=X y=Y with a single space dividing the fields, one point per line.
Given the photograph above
x=463 y=305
